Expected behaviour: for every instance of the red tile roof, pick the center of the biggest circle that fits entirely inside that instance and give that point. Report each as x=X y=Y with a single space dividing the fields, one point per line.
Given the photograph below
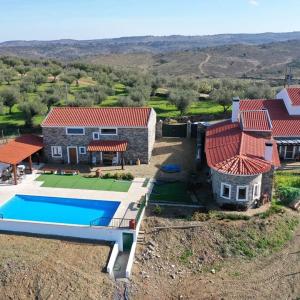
x=283 y=124
x=98 y=116
x=255 y=120
x=294 y=94
x=99 y=146
x=19 y=149
x=230 y=150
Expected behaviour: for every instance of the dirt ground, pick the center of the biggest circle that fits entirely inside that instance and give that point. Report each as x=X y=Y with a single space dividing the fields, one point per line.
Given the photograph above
x=39 y=268
x=164 y=271
x=166 y=150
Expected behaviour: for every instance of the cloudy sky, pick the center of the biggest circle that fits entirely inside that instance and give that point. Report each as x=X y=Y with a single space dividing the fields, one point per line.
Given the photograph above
x=88 y=19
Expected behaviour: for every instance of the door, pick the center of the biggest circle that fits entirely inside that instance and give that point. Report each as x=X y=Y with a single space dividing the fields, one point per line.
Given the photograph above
x=174 y=130
x=127 y=241
x=107 y=157
x=72 y=155
x=289 y=152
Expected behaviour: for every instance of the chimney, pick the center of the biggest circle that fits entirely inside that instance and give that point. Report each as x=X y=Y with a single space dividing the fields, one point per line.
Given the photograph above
x=235 y=109
x=269 y=151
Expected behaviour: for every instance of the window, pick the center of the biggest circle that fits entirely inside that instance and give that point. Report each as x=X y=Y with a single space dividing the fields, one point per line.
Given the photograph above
x=56 y=151
x=256 y=191
x=96 y=136
x=75 y=131
x=225 y=190
x=109 y=131
x=82 y=150
x=242 y=193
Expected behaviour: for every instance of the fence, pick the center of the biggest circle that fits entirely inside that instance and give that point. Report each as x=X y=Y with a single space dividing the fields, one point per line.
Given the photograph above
x=143 y=203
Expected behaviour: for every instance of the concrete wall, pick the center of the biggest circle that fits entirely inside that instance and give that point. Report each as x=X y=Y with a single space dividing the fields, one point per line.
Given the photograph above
x=112 y=260
x=292 y=109
x=140 y=142
x=75 y=231
x=234 y=180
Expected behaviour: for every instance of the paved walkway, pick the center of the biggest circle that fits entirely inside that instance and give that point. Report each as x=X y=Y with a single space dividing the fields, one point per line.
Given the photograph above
x=128 y=199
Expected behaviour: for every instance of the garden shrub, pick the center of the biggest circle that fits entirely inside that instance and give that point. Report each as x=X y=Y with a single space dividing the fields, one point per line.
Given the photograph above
x=288 y=195
x=118 y=176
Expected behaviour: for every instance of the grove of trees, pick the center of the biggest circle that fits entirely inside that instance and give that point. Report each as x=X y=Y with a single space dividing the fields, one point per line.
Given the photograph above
x=33 y=86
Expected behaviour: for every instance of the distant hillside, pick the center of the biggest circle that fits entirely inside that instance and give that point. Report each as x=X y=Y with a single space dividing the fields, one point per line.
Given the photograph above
x=72 y=49
x=257 y=61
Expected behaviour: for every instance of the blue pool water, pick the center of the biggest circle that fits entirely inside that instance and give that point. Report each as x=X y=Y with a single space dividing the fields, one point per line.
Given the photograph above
x=59 y=210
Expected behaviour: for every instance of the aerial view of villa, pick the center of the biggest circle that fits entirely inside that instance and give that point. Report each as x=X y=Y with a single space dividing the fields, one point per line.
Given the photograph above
x=149 y=150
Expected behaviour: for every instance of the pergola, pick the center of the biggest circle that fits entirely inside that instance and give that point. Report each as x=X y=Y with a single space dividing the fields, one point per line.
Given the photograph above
x=109 y=146
x=20 y=149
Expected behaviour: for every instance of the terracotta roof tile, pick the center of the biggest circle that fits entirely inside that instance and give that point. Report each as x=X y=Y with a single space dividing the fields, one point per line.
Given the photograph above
x=283 y=125
x=98 y=116
x=230 y=150
x=255 y=120
x=19 y=149
x=116 y=146
x=294 y=94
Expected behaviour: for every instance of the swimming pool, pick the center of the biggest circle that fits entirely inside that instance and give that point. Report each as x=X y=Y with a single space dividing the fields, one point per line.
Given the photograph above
x=59 y=210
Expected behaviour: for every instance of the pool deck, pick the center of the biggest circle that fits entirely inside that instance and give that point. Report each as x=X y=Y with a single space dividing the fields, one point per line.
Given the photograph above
x=127 y=208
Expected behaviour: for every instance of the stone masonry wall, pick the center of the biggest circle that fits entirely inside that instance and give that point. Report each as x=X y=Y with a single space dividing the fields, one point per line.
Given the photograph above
x=137 y=138
x=267 y=183
x=234 y=181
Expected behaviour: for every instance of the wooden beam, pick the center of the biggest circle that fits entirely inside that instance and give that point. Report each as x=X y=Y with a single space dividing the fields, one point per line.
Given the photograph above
x=15 y=174
x=122 y=160
x=30 y=164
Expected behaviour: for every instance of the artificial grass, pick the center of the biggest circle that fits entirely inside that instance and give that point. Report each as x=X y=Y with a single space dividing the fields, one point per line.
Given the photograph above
x=80 y=182
x=175 y=192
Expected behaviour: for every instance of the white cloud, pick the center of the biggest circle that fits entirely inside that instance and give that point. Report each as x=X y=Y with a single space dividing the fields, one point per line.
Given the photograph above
x=254 y=2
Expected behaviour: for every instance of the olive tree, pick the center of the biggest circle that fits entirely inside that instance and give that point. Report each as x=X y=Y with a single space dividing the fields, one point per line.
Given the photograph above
x=9 y=97
x=31 y=108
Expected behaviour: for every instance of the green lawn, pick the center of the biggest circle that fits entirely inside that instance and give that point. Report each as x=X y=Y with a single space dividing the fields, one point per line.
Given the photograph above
x=171 y=192
x=80 y=182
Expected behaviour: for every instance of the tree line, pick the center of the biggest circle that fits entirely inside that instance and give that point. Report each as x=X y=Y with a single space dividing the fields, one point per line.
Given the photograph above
x=22 y=80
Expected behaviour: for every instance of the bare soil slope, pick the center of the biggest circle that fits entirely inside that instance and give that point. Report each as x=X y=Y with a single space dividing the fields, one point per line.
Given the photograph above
x=37 y=268
x=209 y=262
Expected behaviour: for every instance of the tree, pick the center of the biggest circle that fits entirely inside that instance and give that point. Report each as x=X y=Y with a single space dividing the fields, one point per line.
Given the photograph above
x=9 y=97
x=182 y=99
x=55 y=72
x=8 y=75
x=223 y=96
x=78 y=74
x=38 y=76
x=22 y=70
x=50 y=100
x=31 y=108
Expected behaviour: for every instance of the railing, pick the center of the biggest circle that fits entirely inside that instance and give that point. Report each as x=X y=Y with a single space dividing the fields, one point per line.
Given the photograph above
x=142 y=204
x=111 y=222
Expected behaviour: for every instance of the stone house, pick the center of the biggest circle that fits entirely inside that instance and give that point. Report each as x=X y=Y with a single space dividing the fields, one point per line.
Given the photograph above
x=243 y=152
x=78 y=135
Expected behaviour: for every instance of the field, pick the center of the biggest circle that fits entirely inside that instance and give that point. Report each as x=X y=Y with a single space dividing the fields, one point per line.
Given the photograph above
x=79 y=182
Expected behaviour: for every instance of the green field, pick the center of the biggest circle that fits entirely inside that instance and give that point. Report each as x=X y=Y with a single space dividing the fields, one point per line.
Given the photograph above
x=80 y=182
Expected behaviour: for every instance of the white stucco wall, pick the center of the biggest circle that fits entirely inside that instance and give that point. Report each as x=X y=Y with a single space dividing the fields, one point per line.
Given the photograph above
x=112 y=260
x=293 y=110
x=75 y=231
x=151 y=132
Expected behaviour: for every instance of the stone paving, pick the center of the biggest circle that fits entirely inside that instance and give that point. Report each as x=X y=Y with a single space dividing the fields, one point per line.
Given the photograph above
x=128 y=200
